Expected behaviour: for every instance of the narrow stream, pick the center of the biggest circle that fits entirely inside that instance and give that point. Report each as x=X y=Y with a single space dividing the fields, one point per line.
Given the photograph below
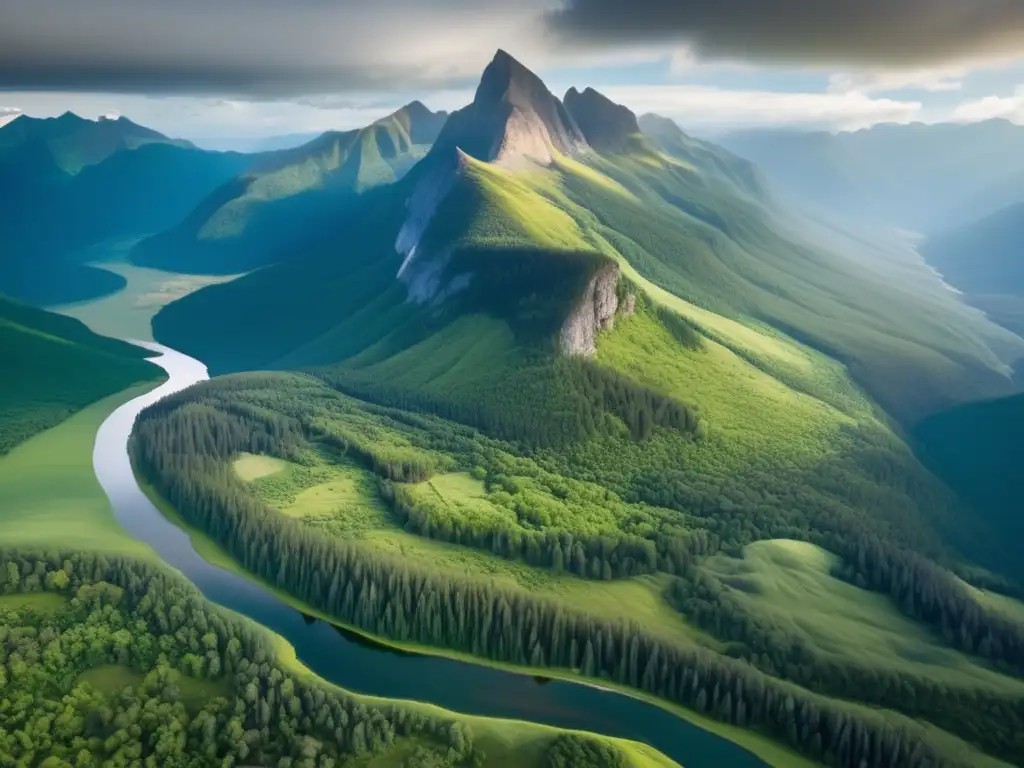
x=362 y=666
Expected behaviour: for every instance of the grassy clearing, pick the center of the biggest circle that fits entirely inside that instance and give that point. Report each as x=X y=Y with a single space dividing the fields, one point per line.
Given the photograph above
x=249 y=466
x=790 y=584
x=129 y=312
x=49 y=495
x=194 y=693
x=42 y=602
x=1013 y=609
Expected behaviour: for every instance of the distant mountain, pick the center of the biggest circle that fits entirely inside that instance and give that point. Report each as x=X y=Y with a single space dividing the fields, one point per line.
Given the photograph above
x=515 y=244
x=59 y=367
x=257 y=144
x=918 y=177
x=73 y=142
x=248 y=220
x=78 y=182
x=985 y=260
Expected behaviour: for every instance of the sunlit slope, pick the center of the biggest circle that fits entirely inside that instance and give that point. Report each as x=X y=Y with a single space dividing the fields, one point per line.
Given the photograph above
x=53 y=366
x=261 y=215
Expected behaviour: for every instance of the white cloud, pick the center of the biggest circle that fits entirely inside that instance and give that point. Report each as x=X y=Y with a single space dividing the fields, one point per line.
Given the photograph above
x=716 y=108
x=991 y=107
x=933 y=80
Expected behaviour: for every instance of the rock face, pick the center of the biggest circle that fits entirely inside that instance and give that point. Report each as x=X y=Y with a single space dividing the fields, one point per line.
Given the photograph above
x=513 y=117
x=607 y=126
x=513 y=120
x=594 y=311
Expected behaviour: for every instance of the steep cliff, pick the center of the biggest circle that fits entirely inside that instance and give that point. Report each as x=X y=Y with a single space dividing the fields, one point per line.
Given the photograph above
x=594 y=311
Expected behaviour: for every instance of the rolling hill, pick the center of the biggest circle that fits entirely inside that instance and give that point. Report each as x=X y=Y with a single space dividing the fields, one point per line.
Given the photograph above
x=918 y=177
x=252 y=219
x=985 y=260
x=59 y=366
x=79 y=182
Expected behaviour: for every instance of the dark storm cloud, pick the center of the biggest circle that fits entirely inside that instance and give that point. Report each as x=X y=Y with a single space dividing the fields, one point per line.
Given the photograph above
x=850 y=31
x=256 y=48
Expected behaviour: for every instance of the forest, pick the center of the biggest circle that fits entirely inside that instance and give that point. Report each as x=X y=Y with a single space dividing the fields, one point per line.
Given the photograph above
x=184 y=447
x=113 y=661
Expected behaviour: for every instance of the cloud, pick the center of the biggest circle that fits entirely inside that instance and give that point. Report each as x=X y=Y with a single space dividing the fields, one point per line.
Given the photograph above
x=871 y=32
x=258 y=48
x=932 y=80
x=992 y=107
x=713 y=108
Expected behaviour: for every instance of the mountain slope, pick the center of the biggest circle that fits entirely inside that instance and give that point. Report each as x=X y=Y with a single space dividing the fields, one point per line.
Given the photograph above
x=80 y=182
x=53 y=367
x=919 y=177
x=74 y=142
x=511 y=175
x=247 y=221
x=985 y=260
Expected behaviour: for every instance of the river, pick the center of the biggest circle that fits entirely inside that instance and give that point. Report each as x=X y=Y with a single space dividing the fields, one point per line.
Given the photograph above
x=362 y=666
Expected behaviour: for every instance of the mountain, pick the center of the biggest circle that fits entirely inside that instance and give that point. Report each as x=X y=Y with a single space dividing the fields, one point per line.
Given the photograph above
x=667 y=134
x=985 y=260
x=80 y=182
x=61 y=366
x=977 y=449
x=564 y=343
x=918 y=177
x=73 y=142
x=513 y=215
x=248 y=220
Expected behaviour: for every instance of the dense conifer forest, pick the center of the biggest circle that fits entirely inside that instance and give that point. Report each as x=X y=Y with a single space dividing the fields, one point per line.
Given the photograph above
x=185 y=447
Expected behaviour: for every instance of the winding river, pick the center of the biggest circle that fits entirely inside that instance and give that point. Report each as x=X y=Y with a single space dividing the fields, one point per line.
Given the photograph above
x=362 y=666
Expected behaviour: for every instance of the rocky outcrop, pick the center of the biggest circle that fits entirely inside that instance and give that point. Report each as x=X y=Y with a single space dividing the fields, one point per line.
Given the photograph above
x=594 y=312
x=605 y=125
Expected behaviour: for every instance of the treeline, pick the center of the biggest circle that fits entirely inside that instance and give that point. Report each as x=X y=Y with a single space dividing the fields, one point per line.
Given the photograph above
x=153 y=623
x=541 y=402
x=993 y=721
x=595 y=557
x=384 y=596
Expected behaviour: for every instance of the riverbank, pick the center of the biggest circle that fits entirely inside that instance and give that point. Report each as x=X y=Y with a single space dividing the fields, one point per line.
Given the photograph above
x=768 y=751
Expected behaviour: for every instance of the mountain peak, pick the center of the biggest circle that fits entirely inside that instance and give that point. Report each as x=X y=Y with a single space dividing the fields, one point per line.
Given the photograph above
x=513 y=117
x=658 y=125
x=607 y=126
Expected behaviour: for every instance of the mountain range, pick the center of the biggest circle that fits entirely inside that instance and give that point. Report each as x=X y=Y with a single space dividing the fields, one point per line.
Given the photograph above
x=248 y=220
x=529 y=210
x=81 y=182
x=918 y=177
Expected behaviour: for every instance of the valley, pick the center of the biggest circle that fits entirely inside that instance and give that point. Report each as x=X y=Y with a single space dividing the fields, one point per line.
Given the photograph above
x=538 y=434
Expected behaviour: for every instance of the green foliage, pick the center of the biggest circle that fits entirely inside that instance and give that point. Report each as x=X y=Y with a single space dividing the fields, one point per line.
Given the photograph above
x=135 y=667
x=56 y=366
x=255 y=219
x=569 y=751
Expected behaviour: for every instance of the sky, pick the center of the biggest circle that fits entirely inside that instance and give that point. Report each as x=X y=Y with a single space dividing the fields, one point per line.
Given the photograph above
x=243 y=69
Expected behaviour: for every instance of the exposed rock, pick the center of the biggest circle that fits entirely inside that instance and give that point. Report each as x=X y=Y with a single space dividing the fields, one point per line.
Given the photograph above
x=594 y=311
x=607 y=126
x=513 y=117
x=628 y=306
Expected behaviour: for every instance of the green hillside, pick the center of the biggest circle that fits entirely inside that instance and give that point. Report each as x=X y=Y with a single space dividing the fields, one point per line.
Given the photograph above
x=53 y=367
x=567 y=373
x=80 y=183
x=977 y=449
x=75 y=143
x=255 y=218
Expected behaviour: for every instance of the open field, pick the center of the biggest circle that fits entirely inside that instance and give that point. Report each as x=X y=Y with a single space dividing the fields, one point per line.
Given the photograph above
x=250 y=466
x=791 y=584
x=128 y=313
x=114 y=678
x=45 y=602
x=49 y=495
